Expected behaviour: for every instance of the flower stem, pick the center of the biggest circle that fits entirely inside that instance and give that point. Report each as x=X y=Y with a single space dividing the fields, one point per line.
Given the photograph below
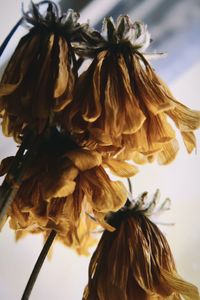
x=38 y=265
x=12 y=181
x=130 y=185
x=9 y=36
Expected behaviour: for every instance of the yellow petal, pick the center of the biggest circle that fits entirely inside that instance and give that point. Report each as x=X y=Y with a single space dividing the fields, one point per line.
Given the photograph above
x=121 y=168
x=100 y=217
x=84 y=159
x=6 y=89
x=103 y=194
x=65 y=190
x=168 y=152
x=64 y=86
x=89 y=95
x=160 y=131
x=134 y=117
x=149 y=87
x=60 y=186
x=185 y=118
x=122 y=111
x=189 y=140
x=62 y=78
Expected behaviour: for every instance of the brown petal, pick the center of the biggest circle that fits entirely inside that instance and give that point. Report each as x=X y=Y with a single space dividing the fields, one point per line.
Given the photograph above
x=90 y=89
x=185 y=118
x=84 y=159
x=103 y=194
x=189 y=140
x=64 y=86
x=149 y=89
x=121 y=168
x=160 y=131
x=168 y=152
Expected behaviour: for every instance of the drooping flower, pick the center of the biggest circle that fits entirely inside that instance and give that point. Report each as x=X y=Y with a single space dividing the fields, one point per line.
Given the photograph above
x=120 y=102
x=135 y=261
x=38 y=80
x=63 y=183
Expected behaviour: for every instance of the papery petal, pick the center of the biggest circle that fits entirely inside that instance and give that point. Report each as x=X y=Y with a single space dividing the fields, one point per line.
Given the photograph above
x=63 y=186
x=103 y=194
x=65 y=190
x=91 y=109
x=121 y=168
x=121 y=107
x=160 y=131
x=56 y=209
x=185 y=118
x=149 y=88
x=189 y=140
x=141 y=142
x=84 y=159
x=6 y=89
x=5 y=165
x=133 y=115
x=168 y=152
x=64 y=86
x=148 y=271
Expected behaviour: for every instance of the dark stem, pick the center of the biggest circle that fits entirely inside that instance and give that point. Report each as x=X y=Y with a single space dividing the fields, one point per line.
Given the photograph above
x=13 y=179
x=9 y=36
x=130 y=185
x=6 y=191
x=38 y=265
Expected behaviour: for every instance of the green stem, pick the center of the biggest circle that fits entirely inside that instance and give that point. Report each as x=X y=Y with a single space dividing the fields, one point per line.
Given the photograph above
x=38 y=265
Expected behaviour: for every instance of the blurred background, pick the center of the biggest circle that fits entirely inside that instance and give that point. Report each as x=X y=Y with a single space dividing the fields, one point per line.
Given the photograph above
x=174 y=26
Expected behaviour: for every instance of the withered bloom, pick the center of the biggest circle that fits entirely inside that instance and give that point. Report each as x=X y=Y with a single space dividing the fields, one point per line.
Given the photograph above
x=38 y=80
x=120 y=101
x=135 y=262
x=63 y=182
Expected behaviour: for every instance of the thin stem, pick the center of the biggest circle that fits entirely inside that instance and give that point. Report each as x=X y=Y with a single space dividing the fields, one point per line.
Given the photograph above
x=130 y=185
x=9 y=36
x=8 y=189
x=13 y=179
x=38 y=265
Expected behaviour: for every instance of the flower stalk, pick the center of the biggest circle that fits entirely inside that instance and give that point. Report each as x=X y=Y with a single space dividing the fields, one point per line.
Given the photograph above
x=38 y=265
x=12 y=181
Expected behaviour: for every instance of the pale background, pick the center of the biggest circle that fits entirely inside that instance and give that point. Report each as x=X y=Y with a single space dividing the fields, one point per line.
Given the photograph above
x=65 y=275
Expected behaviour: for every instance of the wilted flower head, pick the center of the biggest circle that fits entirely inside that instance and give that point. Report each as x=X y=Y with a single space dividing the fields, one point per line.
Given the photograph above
x=62 y=183
x=121 y=99
x=39 y=80
x=135 y=261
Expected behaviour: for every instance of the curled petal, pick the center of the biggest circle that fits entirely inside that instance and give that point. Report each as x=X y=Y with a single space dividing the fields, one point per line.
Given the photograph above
x=135 y=262
x=103 y=194
x=189 y=140
x=122 y=109
x=160 y=131
x=121 y=168
x=185 y=118
x=84 y=159
x=5 y=165
x=149 y=88
x=65 y=190
x=64 y=85
x=168 y=152
x=91 y=110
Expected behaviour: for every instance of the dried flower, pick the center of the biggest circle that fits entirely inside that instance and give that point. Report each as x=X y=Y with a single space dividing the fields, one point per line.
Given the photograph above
x=135 y=261
x=121 y=103
x=39 y=79
x=61 y=183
